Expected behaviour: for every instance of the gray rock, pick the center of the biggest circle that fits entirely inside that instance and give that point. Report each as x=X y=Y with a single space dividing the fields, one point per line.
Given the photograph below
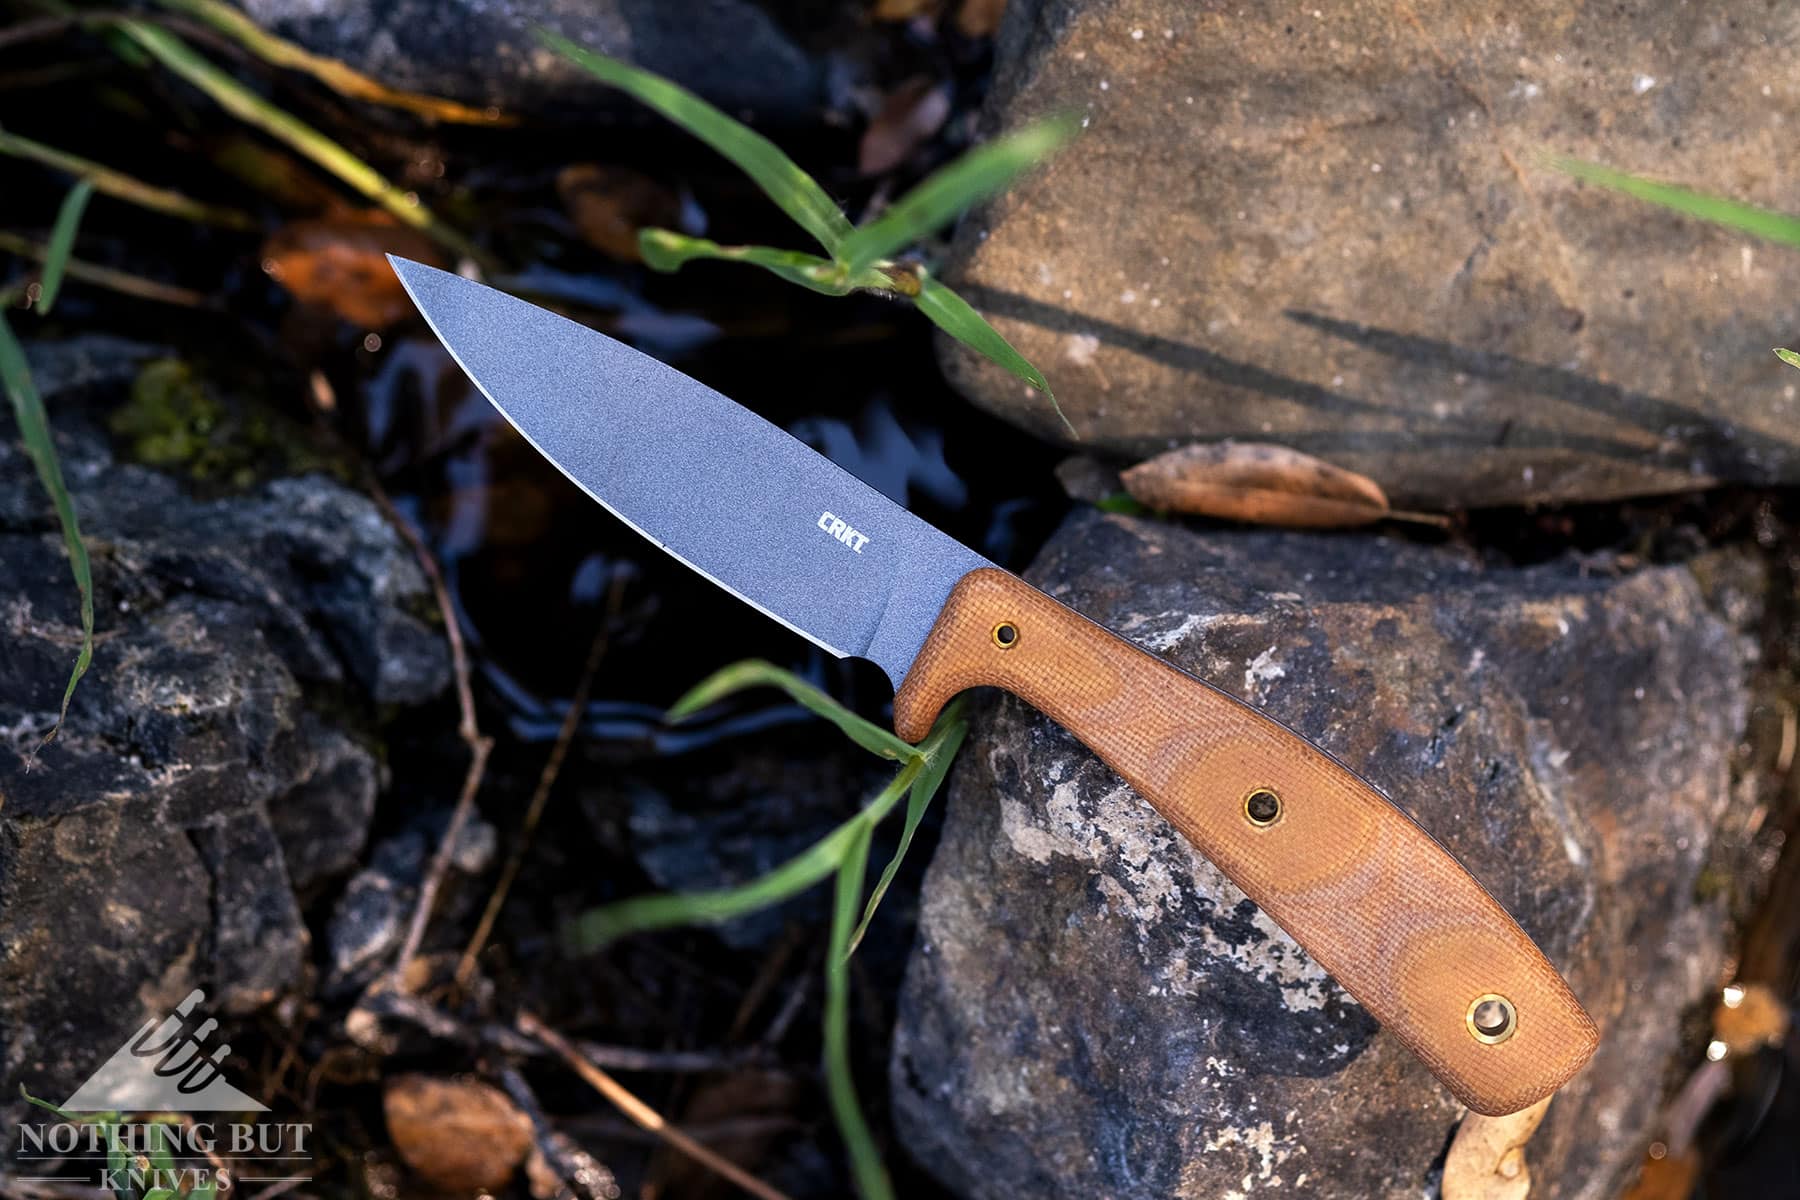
x=483 y=52
x=154 y=846
x=1092 y=1009
x=1331 y=228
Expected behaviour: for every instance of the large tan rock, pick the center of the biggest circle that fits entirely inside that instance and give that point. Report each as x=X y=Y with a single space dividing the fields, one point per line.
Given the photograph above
x=1328 y=226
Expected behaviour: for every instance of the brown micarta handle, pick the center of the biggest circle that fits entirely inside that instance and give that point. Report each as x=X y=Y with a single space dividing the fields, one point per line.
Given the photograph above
x=1369 y=894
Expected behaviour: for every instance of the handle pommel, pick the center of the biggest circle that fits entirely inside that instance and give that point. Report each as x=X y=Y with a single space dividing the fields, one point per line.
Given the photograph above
x=1368 y=893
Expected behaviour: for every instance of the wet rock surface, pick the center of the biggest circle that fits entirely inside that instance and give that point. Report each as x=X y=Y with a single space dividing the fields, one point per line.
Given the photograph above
x=1333 y=229
x=730 y=51
x=212 y=760
x=1092 y=1009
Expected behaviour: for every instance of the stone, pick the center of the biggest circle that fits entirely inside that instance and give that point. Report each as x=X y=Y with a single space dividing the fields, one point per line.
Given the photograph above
x=1334 y=229
x=1092 y=1009
x=156 y=844
x=485 y=54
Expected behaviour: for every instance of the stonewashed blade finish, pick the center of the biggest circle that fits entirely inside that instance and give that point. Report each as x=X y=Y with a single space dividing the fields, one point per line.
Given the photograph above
x=724 y=491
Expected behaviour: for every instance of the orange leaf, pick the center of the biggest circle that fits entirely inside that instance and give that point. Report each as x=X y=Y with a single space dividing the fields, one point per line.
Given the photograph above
x=461 y=1135
x=340 y=263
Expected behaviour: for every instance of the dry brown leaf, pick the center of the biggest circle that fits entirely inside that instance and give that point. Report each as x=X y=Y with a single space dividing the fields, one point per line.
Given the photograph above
x=979 y=18
x=910 y=115
x=340 y=263
x=1669 y=1178
x=1487 y=1156
x=459 y=1134
x=610 y=204
x=1261 y=484
x=1750 y=1017
x=902 y=10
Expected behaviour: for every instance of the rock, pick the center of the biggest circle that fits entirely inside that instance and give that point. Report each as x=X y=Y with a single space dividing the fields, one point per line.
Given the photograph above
x=460 y=1135
x=729 y=51
x=1093 y=1010
x=1333 y=229
x=156 y=844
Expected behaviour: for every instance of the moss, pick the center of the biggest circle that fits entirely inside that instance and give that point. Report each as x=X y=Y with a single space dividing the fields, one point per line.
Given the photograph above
x=172 y=421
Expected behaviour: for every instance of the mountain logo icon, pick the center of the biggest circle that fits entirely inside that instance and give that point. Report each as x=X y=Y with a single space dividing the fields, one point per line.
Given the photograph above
x=165 y=1067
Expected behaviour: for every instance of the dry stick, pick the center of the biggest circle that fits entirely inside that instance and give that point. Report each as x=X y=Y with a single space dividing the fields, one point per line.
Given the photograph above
x=585 y=1174
x=642 y=1113
x=468 y=730
x=465 y=966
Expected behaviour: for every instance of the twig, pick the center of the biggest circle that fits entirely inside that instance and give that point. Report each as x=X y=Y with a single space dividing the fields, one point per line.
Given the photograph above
x=642 y=1113
x=468 y=730
x=465 y=966
x=587 y=1175
x=107 y=277
x=436 y=1022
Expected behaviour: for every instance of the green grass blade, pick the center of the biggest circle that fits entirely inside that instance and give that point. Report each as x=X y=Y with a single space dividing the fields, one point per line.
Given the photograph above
x=940 y=751
x=34 y=429
x=121 y=186
x=1763 y=222
x=952 y=314
x=62 y=243
x=794 y=191
x=642 y=914
x=252 y=109
x=840 y=1085
x=1788 y=357
x=666 y=250
x=755 y=672
x=975 y=176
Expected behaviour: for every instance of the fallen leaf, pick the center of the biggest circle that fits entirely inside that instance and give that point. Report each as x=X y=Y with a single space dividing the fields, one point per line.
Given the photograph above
x=340 y=263
x=610 y=204
x=910 y=115
x=1260 y=484
x=459 y=1134
x=1669 y=1178
x=1750 y=1017
x=903 y=10
x=980 y=18
x=1487 y=1156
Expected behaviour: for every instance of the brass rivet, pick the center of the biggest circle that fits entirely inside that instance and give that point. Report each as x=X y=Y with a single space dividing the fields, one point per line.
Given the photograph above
x=1262 y=807
x=1006 y=635
x=1491 y=1018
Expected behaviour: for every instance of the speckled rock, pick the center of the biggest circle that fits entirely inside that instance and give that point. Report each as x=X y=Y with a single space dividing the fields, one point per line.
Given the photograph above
x=1332 y=228
x=156 y=844
x=1093 y=1010
x=483 y=52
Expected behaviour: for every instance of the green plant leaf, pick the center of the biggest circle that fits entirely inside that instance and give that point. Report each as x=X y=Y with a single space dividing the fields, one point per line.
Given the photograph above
x=642 y=914
x=1763 y=222
x=756 y=672
x=252 y=109
x=62 y=243
x=974 y=177
x=840 y=1085
x=781 y=179
x=119 y=185
x=952 y=314
x=940 y=749
x=34 y=430
x=666 y=250
x=1788 y=357
x=161 y=1161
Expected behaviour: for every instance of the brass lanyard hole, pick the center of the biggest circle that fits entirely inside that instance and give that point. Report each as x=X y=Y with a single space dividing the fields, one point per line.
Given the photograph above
x=1492 y=1018
x=1262 y=807
x=1006 y=635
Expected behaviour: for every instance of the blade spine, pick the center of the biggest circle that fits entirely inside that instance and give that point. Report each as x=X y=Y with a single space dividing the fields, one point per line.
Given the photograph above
x=450 y=349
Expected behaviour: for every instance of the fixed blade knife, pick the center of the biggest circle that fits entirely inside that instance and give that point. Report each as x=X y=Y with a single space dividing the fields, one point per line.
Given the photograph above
x=1368 y=893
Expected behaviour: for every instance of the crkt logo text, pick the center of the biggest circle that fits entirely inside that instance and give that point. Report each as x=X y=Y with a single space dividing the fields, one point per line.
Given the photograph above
x=840 y=529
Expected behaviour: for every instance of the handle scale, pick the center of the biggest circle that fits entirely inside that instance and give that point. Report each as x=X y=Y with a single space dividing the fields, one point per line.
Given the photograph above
x=1368 y=893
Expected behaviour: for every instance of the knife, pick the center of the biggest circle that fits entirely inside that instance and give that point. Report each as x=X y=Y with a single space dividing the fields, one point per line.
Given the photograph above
x=1369 y=894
